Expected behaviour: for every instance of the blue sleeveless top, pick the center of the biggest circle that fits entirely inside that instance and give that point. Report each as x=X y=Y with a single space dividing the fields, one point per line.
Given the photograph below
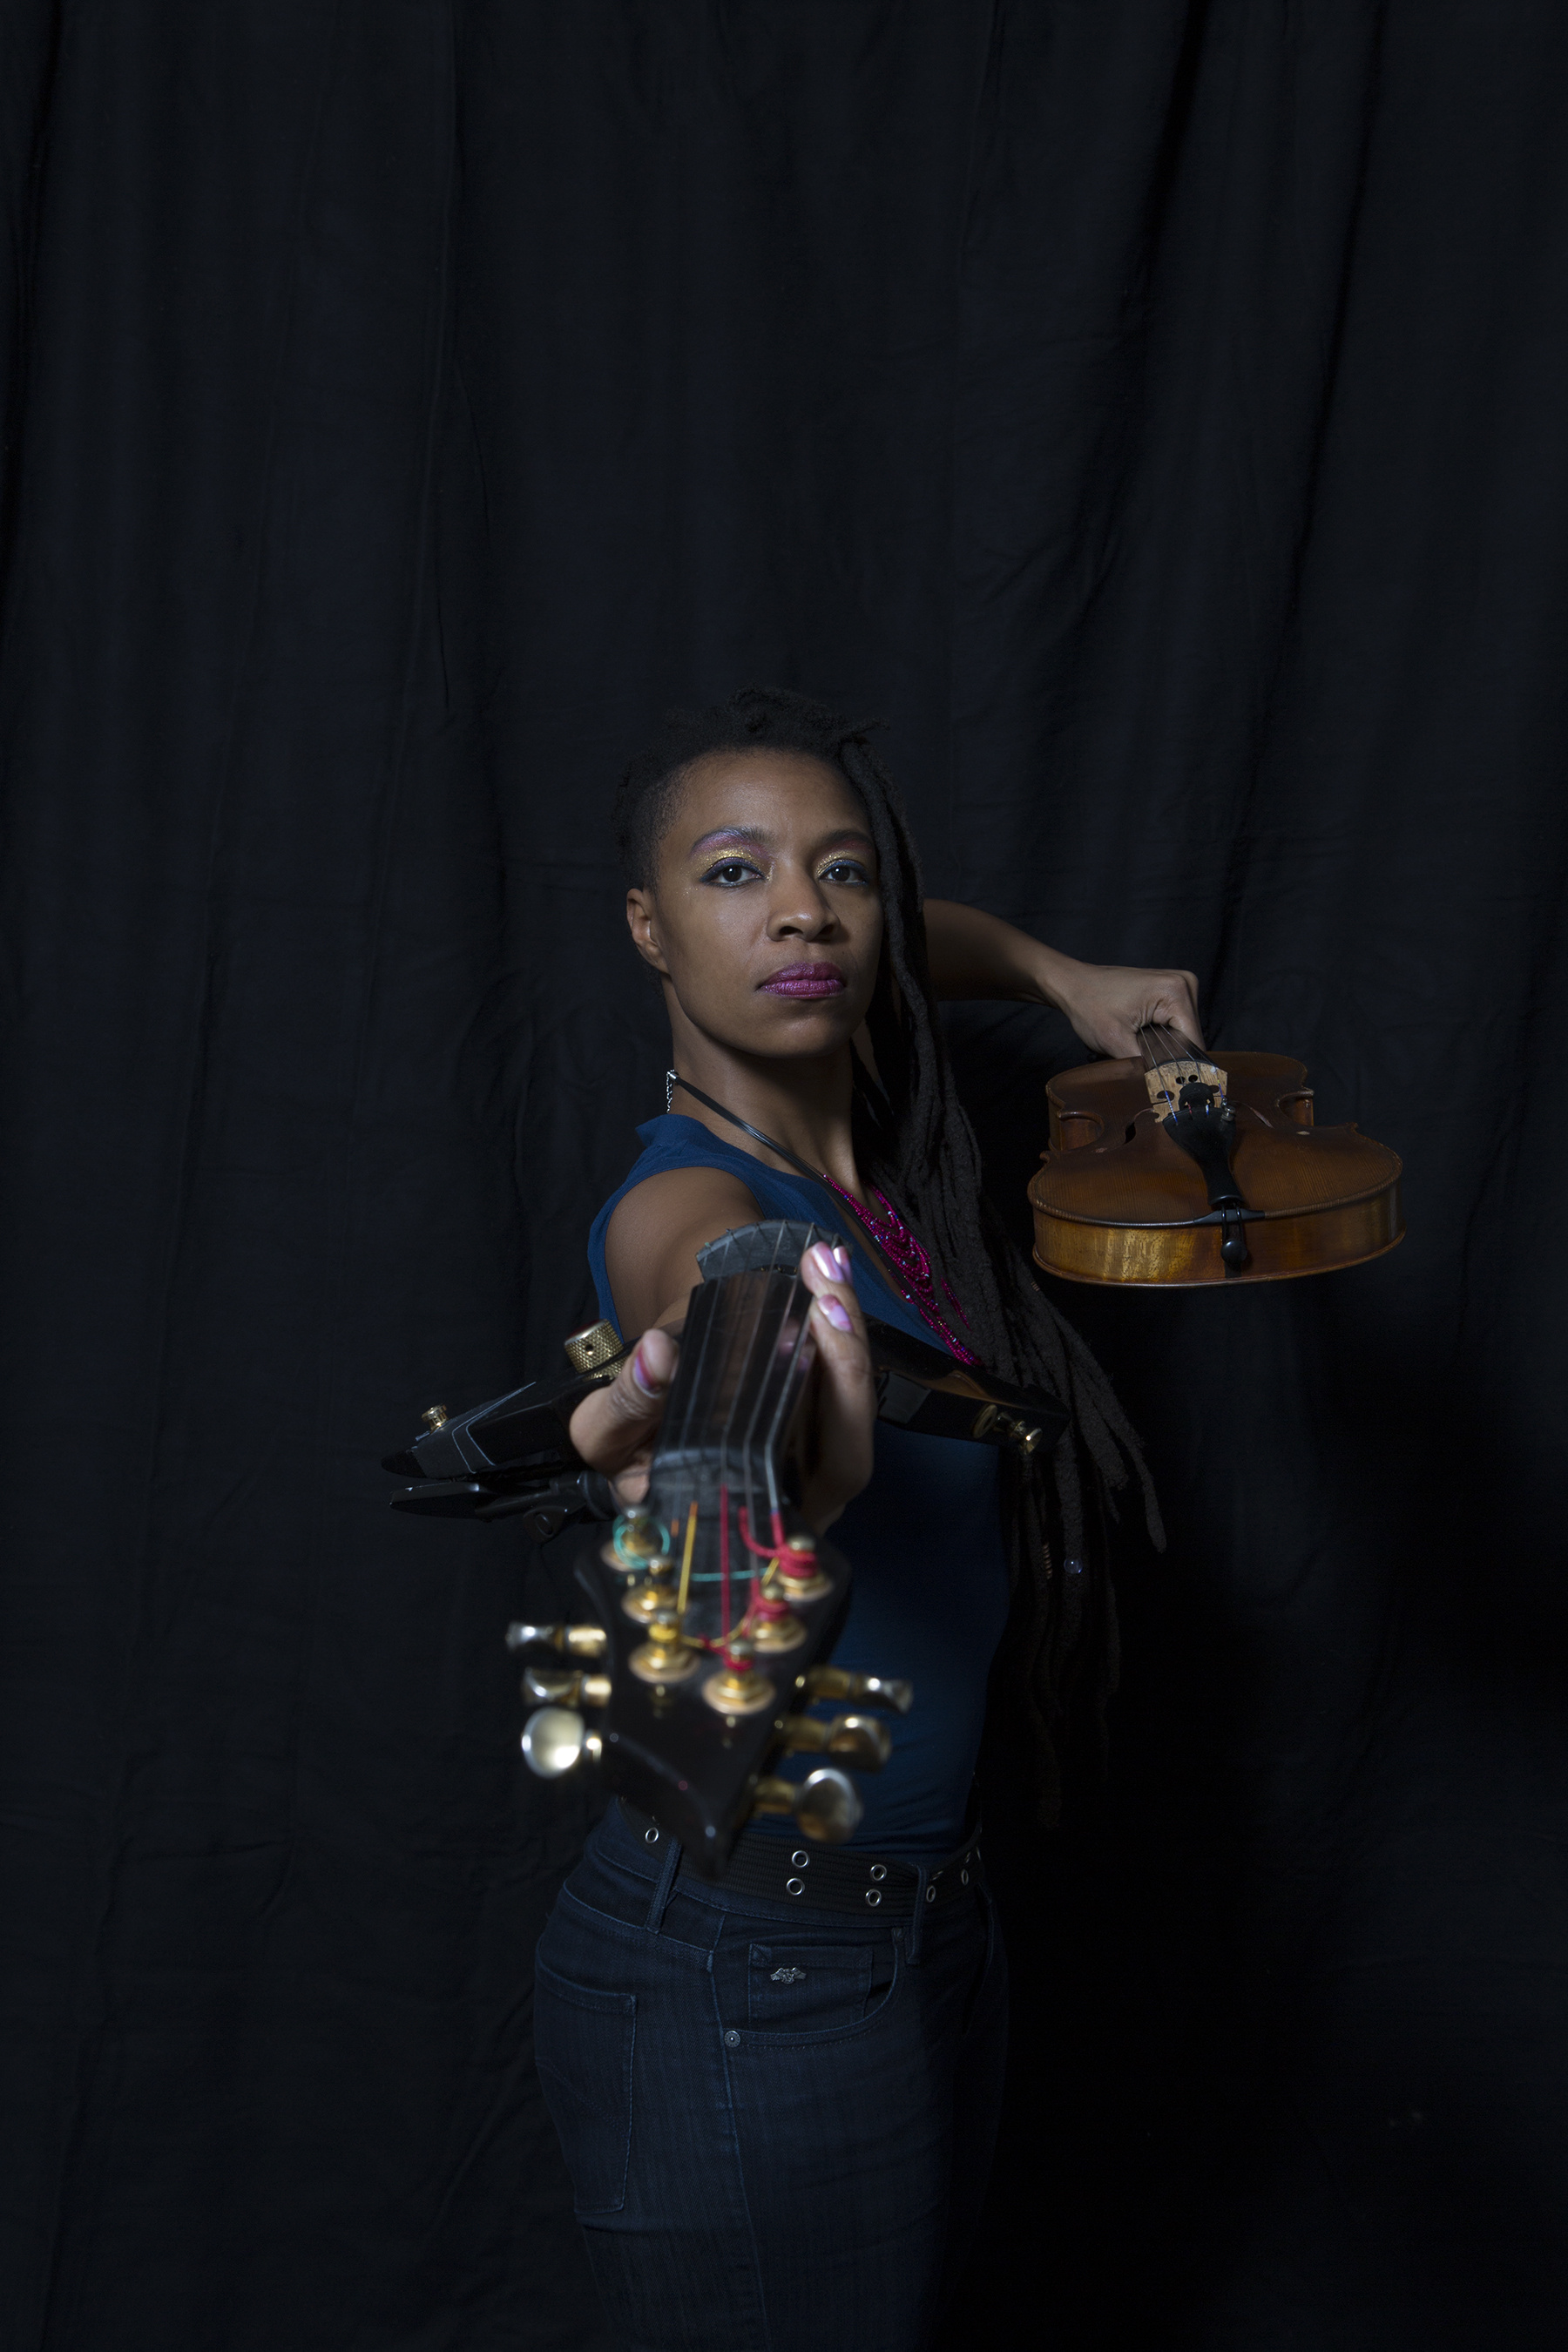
x=930 y=1595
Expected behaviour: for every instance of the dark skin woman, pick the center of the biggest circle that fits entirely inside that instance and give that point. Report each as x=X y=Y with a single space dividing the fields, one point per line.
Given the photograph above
x=765 y=927
x=777 y=2095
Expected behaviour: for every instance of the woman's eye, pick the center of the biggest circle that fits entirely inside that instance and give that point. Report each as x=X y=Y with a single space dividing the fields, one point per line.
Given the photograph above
x=731 y=871
x=846 y=870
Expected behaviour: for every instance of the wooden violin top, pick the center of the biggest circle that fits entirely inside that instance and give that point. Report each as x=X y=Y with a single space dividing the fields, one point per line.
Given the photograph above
x=1117 y=1198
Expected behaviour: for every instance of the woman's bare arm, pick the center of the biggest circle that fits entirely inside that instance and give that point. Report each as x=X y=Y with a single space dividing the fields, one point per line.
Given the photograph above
x=976 y=955
x=650 y=1249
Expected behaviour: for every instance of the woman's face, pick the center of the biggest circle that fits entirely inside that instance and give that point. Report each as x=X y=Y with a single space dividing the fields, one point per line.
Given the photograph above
x=765 y=918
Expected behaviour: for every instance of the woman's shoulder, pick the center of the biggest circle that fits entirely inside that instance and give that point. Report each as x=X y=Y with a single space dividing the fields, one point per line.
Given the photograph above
x=686 y=1190
x=656 y=1229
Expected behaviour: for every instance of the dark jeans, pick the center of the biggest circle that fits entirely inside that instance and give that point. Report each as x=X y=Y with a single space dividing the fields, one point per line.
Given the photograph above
x=778 y=2121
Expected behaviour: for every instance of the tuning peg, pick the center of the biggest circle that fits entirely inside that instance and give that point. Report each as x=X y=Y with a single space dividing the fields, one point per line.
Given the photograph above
x=859 y=1740
x=563 y=1686
x=867 y=1690
x=1024 y=1434
x=826 y=1805
x=590 y=1351
x=567 y=1640
x=555 y=1739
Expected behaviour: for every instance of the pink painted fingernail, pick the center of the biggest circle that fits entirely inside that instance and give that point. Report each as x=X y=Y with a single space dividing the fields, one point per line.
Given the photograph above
x=641 y=1374
x=845 y=1270
x=825 y=1263
x=836 y=1313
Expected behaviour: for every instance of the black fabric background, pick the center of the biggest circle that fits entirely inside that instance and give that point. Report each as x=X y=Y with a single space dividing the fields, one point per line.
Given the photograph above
x=1158 y=412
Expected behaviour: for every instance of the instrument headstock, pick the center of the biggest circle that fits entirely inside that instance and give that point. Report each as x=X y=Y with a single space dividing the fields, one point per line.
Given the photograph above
x=714 y=1604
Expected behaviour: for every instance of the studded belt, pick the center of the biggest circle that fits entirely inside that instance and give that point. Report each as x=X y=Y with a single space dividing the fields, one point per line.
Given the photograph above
x=827 y=1878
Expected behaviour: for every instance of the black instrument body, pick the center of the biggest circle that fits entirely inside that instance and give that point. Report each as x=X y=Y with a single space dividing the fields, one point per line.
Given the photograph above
x=722 y=1485
x=715 y=1606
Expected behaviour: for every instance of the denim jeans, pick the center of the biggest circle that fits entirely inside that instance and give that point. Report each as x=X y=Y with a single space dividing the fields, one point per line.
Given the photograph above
x=778 y=2121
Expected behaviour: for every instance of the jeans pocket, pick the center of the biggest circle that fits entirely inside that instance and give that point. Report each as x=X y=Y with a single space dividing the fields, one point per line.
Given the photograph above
x=582 y=2042
x=799 y=1987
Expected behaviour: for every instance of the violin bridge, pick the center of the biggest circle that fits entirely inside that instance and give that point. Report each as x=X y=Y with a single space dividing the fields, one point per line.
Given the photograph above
x=1167 y=1080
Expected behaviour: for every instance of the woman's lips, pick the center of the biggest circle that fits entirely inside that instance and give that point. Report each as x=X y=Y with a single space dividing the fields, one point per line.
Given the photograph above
x=806 y=980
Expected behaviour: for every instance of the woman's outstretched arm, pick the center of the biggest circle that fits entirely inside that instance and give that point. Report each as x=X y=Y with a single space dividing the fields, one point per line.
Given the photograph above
x=615 y=1429
x=978 y=955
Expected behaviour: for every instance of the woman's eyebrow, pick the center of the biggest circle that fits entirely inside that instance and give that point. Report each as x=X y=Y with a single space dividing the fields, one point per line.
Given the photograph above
x=756 y=836
x=747 y=832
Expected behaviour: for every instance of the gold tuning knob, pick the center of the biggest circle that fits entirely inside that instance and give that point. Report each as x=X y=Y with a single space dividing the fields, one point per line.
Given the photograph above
x=735 y=1687
x=861 y=1690
x=563 y=1687
x=435 y=1415
x=826 y=1805
x=567 y=1640
x=555 y=1739
x=858 y=1740
x=666 y=1656
x=1023 y=1435
x=590 y=1349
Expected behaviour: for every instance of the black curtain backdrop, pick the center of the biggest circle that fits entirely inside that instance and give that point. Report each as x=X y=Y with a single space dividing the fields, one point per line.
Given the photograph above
x=1158 y=412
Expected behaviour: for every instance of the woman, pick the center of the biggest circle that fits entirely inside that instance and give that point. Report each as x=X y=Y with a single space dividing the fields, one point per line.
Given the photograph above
x=778 y=2094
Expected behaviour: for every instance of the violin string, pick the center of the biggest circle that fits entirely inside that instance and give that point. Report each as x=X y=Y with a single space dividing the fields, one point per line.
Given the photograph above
x=755 y=1388
x=760 y=1400
x=775 y=1428
x=725 y=1489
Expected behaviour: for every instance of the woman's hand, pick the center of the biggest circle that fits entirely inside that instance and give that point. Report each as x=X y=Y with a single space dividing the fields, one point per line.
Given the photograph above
x=842 y=1408
x=614 y=1428
x=617 y=1428
x=1108 y=1003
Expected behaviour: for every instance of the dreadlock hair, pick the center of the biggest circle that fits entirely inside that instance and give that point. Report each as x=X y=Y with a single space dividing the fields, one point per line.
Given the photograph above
x=914 y=1141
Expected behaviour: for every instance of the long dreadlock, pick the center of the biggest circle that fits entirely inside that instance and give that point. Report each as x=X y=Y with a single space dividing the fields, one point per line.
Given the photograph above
x=913 y=1139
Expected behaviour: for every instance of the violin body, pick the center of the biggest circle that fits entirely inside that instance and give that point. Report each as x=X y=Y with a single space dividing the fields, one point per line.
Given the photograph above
x=1117 y=1198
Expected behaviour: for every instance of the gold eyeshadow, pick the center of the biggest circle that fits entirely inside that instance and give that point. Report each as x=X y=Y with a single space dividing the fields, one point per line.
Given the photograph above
x=728 y=857
x=717 y=859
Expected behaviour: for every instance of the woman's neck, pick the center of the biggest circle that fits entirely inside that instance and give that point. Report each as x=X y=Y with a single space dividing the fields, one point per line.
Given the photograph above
x=805 y=1105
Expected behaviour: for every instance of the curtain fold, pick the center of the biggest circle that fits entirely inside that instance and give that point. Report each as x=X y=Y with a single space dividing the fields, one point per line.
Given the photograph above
x=1156 y=411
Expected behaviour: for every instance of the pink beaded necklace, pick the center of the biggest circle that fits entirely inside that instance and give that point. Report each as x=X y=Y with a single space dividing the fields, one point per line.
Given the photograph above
x=909 y=1261
x=887 y=1232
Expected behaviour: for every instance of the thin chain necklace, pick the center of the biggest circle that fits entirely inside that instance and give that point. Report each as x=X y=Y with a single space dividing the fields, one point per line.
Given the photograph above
x=889 y=1233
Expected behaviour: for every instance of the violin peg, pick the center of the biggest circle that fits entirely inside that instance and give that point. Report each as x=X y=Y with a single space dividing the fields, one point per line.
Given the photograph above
x=826 y=1805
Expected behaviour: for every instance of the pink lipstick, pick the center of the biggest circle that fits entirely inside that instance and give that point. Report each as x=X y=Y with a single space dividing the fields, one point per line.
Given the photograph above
x=807 y=981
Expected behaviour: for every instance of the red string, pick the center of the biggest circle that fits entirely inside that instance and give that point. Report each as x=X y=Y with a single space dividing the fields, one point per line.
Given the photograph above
x=764 y=1551
x=724 y=1559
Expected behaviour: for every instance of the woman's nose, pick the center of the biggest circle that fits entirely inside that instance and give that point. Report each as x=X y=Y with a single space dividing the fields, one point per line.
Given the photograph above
x=799 y=910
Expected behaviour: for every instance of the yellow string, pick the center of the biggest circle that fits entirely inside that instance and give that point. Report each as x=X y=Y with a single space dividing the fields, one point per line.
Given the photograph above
x=686 y=1560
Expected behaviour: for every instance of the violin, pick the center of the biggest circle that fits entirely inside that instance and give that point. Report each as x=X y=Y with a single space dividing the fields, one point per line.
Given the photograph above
x=1173 y=1169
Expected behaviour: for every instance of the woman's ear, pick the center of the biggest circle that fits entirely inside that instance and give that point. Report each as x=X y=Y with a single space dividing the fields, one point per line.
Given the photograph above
x=642 y=923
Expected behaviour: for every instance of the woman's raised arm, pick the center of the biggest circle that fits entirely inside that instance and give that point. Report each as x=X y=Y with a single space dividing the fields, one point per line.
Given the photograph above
x=976 y=955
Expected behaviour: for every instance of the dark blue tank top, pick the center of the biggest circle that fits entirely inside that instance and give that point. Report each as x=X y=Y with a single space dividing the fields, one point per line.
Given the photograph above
x=929 y=1596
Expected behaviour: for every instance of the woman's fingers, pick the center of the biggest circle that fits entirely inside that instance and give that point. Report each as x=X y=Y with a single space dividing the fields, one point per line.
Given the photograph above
x=844 y=1400
x=613 y=1429
x=1109 y=1004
